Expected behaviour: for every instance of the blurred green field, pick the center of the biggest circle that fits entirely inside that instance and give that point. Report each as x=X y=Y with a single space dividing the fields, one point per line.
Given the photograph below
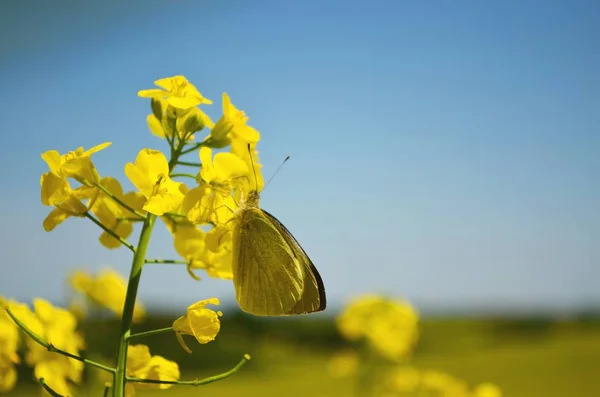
x=524 y=357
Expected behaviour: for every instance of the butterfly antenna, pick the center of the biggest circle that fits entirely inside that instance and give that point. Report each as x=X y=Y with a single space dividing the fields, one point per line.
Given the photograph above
x=276 y=171
x=254 y=169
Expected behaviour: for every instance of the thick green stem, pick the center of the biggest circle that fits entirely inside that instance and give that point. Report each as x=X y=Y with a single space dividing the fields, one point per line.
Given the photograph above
x=127 y=319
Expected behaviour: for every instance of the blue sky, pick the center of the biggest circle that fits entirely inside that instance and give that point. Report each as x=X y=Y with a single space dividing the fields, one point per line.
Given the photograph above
x=446 y=152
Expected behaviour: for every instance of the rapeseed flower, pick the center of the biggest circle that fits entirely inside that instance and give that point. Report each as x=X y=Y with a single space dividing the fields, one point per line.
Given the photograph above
x=150 y=174
x=178 y=92
x=198 y=321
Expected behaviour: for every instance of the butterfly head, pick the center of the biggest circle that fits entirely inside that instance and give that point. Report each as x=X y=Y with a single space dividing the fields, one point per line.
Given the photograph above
x=252 y=199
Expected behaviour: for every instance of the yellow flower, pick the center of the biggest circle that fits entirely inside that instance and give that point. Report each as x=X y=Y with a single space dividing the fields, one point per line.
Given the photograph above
x=444 y=384
x=389 y=326
x=487 y=390
x=211 y=202
x=8 y=376
x=178 y=91
x=107 y=289
x=9 y=343
x=255 y=179
x=76 y=164
x=199 y=321
x=191 y=243
x=343 y=364
x=404 y=379
x=141 y=364
x=221 y=171
x=58 y=327
x=56 y=191
x=231 y=126
x=150 y=174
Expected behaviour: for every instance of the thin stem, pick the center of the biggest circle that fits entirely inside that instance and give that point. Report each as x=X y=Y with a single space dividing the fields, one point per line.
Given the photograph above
x=189 y=164
x=49 y=389
x=184 y=175
x=174 y=215
x=129 y=219
x=50 y=347
x=195 y=147
x=168 y=261
x=127 y=318
x=150 y=333
x=112 y=233
x=196 y=382
x=121 y=202
x=106 y=390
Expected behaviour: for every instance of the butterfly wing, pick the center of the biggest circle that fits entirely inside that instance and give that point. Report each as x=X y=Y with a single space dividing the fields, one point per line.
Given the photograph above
x=313 y=297
x=267 y=275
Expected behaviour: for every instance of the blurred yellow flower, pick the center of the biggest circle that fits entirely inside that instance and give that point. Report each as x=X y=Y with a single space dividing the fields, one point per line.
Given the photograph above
x=9 y=343
x=408 y=380
x=487 y=390
x=107 y=289
x=404 y=379
x=389 y=326
x=8 y=376
x=141 y=364
x=58 y=327
x=343 y=364
x=178 y=92
x=150 y=175
x=198 y=321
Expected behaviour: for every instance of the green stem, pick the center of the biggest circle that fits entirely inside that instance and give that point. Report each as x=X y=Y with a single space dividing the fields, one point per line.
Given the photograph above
x=50 y=347
x=150 y=333
x=195 y=147
x=196 y=382
x=135 y=274
x=49 y=389
x=174 y=215
x=189 y=164
x=129 y=219
x=120 y=202
x=168 y=261
x=127 y=318
x=112 y=233
x=184 y=175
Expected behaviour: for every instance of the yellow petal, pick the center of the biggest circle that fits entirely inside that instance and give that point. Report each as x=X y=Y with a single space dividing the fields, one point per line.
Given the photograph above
x=52 y=158
x=155 y=126
x=229 y=166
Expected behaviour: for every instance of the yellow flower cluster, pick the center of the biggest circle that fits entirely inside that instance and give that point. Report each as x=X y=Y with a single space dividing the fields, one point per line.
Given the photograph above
x=55 y=325
x=197 y=215
x=106 y=290
x=224 y=179
x=389 y=326
x=410 y=381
